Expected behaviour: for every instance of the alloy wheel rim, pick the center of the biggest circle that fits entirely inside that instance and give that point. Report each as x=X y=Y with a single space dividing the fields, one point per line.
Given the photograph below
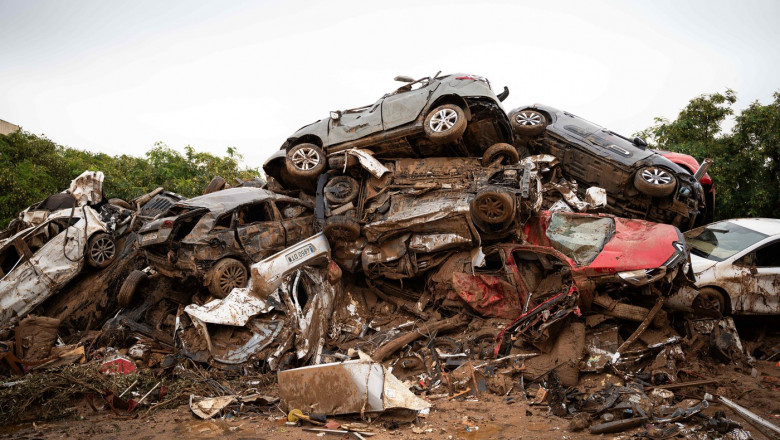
x=492 y=207
x=528 y=118
x=656 y=176
x=231 y=277
x=305 y=159
x=103 y=249
x=443 y=120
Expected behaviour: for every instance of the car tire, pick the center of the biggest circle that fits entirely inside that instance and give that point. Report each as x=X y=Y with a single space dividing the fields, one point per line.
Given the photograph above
x=655 y=181
x=305 y=161
x=341 y=189
x=507 y=153
x=120 y=203
x=130 y=287
x=226 y=275
x=528 y=123
x=341 y=228
x=492 y=207
x=710 y=299
x=101 y=250
x=445 y=123
x=216 y=184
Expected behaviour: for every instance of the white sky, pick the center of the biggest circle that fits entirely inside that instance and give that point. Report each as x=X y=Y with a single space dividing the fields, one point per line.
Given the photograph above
x=116 y=76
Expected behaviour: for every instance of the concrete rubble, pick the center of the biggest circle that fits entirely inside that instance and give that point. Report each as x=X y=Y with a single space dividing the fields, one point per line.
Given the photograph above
x=372 y=281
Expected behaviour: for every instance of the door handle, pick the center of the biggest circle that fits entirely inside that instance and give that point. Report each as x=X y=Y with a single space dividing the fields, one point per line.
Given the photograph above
x=754 y=271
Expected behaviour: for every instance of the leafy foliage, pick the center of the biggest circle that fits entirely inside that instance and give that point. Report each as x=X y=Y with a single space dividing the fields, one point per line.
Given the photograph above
x=34 y=167
x=746 y=169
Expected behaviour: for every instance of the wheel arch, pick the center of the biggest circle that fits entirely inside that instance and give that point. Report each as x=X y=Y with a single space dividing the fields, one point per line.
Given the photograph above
x=726 y=296
x=454 y=100
x=305 y=139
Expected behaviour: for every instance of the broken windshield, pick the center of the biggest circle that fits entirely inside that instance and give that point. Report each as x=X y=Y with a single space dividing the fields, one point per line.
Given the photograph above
x=723 y=240
x=579 y=238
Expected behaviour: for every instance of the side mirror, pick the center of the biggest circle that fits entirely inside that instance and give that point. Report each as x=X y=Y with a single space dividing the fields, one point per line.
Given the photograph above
x=404 y=78
x=638 y=141
x=335 y=115
x=502 y=96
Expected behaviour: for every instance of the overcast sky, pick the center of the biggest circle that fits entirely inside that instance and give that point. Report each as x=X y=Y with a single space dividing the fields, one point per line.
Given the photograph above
x=117 y=76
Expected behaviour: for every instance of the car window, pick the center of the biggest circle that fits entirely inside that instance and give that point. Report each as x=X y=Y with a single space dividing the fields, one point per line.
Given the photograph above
x=721 y=240
x=580 y=238
x=768 y=256
x=258 y=212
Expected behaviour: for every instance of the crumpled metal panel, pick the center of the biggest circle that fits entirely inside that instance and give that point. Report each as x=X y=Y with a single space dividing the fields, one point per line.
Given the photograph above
x=87 y=188
x=488 y=295
x=268 y=274
x=235 y=309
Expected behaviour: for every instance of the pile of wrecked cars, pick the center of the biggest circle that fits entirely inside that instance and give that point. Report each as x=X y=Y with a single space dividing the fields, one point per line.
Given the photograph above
x=440 y=244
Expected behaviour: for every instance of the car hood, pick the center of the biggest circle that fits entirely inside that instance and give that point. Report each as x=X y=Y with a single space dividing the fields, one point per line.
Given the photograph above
x=637 y=244
x=700 y=264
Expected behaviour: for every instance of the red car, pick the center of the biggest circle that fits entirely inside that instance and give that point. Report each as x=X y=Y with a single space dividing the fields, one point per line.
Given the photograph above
x=692 y=165
x=564 y=260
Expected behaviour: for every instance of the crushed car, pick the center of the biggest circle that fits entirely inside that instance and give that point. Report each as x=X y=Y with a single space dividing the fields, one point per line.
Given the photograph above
x=214 y=238
x=737 y=268
x=417 y=119
x=639 y=182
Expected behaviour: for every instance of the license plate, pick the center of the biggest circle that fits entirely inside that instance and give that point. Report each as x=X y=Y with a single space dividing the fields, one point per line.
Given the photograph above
x=296 y=255
x=149 y=237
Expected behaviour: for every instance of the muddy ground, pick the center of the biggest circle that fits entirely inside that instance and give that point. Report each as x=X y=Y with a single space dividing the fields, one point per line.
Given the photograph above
x=499 y=417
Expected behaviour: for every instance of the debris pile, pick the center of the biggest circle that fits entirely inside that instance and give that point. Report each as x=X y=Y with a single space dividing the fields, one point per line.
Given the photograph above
x=401 y=257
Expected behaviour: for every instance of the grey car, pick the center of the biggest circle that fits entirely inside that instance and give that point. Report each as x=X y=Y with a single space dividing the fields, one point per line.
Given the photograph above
x=450 y=115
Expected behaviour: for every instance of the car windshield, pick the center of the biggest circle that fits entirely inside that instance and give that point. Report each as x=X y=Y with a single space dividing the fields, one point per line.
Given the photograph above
x=580 y=238
x=721 y=240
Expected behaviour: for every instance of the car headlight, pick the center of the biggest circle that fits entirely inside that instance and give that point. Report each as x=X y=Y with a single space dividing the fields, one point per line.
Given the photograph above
x=642 y=277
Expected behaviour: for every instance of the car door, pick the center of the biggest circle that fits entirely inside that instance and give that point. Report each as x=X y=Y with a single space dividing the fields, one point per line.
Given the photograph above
x=37 y=264
x=259 y=230
x=355 y=124
x=297 y=220
x=761 y=286
x=403 y=107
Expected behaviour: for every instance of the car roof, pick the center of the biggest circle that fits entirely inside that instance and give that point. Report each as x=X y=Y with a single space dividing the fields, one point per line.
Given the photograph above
x=228 y=199
x=766 y=226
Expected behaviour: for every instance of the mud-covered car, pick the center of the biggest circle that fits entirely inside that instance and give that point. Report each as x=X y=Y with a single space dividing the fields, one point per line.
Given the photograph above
x=601 y=253
x=425 y=117
x=737 y=267
x=37 y=261
x=640 y=183
x=215 y=237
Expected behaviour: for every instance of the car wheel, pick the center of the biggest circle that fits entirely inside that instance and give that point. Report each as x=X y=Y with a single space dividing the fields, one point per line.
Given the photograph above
x=528 y=123
x=129 y=287
x=492 y=207
x=506 y=153
x=655 y=181
x=710 y=299
x=216 y=184
x=341 y=228
x=101 y=250
x=341 y=189
x=120 y=203
x=305 y=161
x=445 y=123
x=227 y=275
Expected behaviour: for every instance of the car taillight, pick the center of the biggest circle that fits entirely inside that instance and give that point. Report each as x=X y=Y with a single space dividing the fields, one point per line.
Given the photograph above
x=167 y=224
x=473 y=78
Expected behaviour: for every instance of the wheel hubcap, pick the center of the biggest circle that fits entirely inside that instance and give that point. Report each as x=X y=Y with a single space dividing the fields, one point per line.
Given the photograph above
x=305 y=159
x=341 y=233
x=528 y=118
x=340 y=190
x=103 y=249
x=443 y=120
x=231 y=277
x=491 y=207
x=656 y=176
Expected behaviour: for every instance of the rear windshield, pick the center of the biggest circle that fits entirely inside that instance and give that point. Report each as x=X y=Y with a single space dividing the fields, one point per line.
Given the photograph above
x=580 y=238
x=722 y=240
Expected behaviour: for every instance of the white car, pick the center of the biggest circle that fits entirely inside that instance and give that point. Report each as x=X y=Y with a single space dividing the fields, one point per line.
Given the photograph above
x=737 y=267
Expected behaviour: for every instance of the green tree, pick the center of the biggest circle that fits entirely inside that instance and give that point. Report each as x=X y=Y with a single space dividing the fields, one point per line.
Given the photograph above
x=34 y=167
x=745 y=169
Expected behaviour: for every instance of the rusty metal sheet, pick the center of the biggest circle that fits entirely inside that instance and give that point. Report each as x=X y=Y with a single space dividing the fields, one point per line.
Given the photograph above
x=351 y=387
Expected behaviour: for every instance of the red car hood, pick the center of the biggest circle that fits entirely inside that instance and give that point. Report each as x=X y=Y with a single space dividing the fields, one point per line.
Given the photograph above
x=637 y=244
